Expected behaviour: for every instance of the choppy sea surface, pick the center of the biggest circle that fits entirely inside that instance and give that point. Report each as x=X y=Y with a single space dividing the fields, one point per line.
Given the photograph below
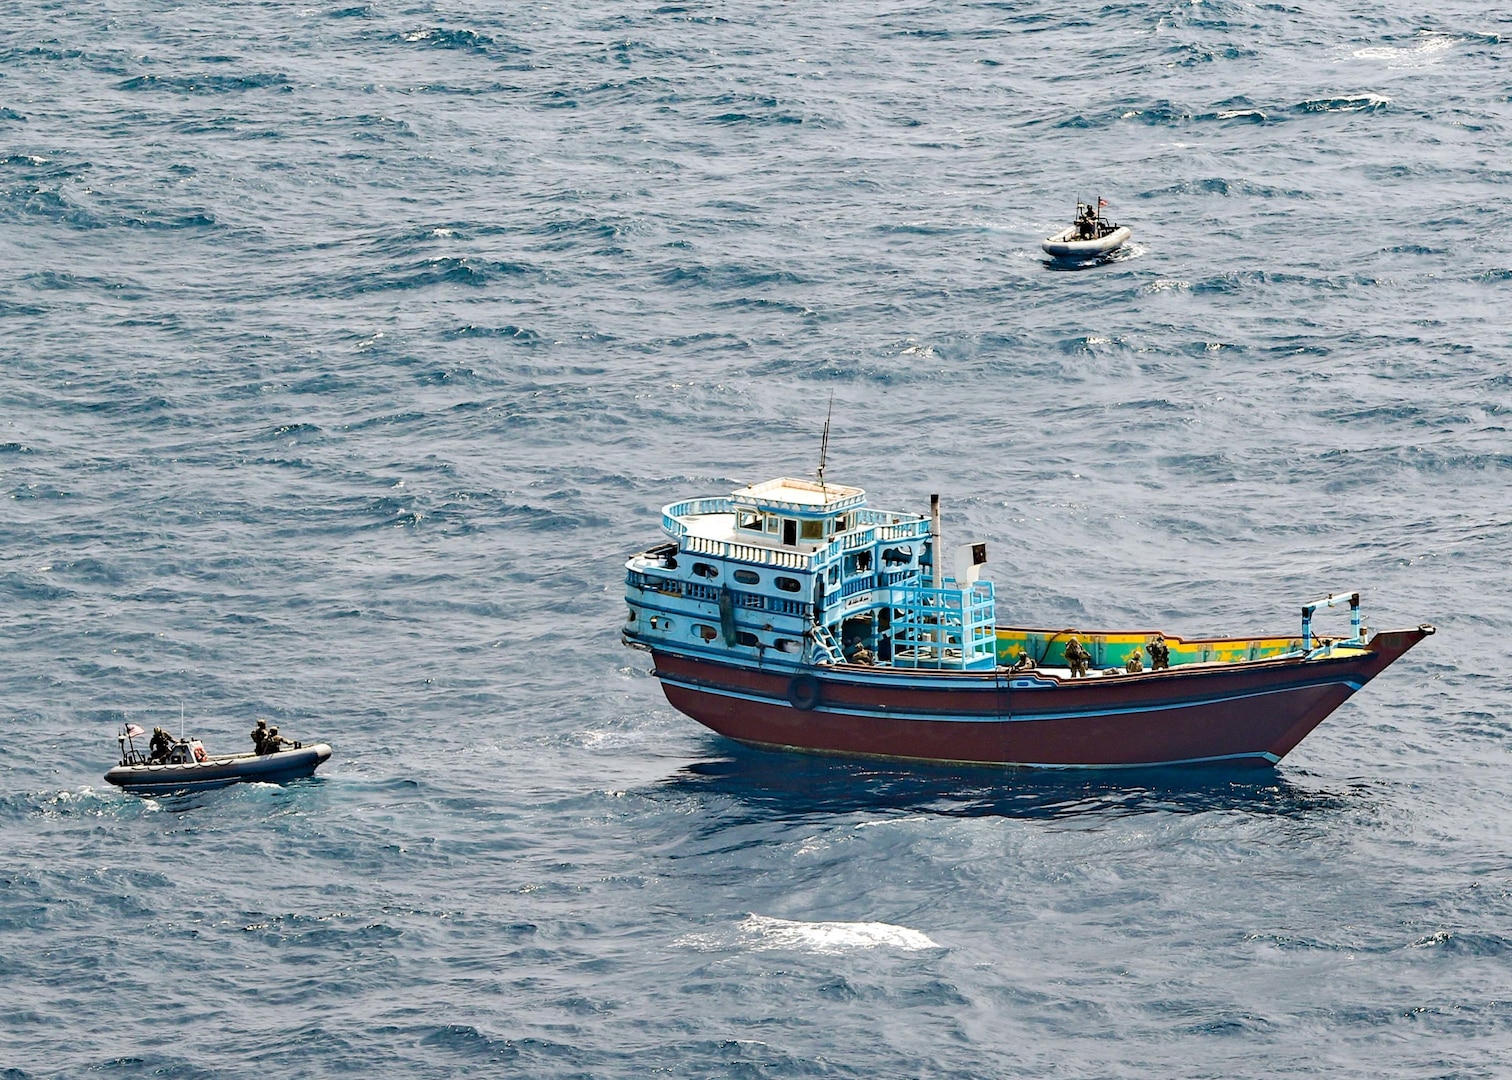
x=347 y=349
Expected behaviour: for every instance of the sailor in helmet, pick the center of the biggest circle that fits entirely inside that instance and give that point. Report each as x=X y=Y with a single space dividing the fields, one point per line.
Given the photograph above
x=259 y=735
x=273 y=742
x=160 y=745
x=1086 y=223
x=1077 y=657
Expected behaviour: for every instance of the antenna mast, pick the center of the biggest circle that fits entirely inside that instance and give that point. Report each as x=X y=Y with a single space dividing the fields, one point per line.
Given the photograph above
x=824 y=442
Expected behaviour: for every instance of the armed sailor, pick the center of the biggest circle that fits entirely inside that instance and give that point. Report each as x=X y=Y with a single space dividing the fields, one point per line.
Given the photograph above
x=158 y=749
x=273 y=742
x=259 y=736
x=1086 y=222
x=1077 y=657
x=1160 y=654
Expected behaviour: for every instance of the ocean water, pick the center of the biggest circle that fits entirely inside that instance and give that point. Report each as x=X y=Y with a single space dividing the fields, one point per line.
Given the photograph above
x=346 y=351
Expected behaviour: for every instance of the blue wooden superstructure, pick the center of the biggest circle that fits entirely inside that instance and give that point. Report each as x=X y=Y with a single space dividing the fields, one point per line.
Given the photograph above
x=796 y=573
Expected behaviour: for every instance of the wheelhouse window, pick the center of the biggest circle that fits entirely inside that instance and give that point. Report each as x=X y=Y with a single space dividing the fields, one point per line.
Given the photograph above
x=749 y=519
x=811 y=530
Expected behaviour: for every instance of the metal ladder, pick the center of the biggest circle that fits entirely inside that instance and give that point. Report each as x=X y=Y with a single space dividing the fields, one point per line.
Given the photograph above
x=825 y=645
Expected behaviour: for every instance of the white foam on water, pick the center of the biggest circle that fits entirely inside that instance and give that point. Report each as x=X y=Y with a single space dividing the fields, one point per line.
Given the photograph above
x=1427 y=51
x=763 y=932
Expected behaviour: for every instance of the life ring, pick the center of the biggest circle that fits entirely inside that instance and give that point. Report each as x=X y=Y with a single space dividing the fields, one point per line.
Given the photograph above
x=803 y=692
x=199 y=753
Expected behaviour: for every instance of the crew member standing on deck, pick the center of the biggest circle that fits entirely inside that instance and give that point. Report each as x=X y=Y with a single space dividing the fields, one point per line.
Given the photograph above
x=1077 y=657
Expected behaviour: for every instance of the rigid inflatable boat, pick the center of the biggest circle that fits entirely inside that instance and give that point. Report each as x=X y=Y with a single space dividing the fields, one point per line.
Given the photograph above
x=1090 y=237
x=185 y=765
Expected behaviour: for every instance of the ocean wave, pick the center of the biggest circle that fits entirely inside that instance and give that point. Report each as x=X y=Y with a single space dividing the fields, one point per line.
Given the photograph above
x=439 y=37
x=762 y=933
x=1370 y=103
x=205 y=83
x=1427 y=50
x=1468 y=944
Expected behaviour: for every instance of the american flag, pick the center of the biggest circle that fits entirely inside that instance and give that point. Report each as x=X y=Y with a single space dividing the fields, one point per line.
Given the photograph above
x=133 y=731
x=1101 y=202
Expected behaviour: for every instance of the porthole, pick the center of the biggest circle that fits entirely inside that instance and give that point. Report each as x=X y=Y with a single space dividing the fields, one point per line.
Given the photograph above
x=705 y=570
x=747 y=577
x=743 y=638
x=630 y=615
x=788 y=645
x=708 y=633
x=787 y=584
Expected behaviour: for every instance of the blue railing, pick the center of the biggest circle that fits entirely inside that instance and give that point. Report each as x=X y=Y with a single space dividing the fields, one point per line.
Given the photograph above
x=944 y=628
x=860 y=584
x=692 y=508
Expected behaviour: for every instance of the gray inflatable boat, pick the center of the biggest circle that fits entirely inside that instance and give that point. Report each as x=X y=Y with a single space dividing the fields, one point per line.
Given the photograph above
x=185 y=765
x=1091 y=236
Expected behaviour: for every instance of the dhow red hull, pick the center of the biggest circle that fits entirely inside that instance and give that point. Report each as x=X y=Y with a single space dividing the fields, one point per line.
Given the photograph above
x=1255 y=711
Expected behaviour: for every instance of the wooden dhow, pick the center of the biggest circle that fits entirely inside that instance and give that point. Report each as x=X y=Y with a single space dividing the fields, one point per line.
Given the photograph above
x=790 y=615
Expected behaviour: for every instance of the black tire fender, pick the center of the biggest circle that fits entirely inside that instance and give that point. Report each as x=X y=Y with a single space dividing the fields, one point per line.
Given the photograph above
x=803 y=692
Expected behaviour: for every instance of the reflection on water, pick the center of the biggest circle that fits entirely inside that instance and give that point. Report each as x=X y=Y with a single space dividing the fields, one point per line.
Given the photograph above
x=796 y=784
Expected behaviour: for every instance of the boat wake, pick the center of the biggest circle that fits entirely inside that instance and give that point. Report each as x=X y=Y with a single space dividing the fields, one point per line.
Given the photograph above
x=1131 y=250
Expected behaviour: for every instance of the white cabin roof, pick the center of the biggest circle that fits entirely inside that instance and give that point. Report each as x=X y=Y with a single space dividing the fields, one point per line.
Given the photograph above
x=799 y=496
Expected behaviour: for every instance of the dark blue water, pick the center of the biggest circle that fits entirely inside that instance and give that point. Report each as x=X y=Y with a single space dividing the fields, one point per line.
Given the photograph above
x=346 y=350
